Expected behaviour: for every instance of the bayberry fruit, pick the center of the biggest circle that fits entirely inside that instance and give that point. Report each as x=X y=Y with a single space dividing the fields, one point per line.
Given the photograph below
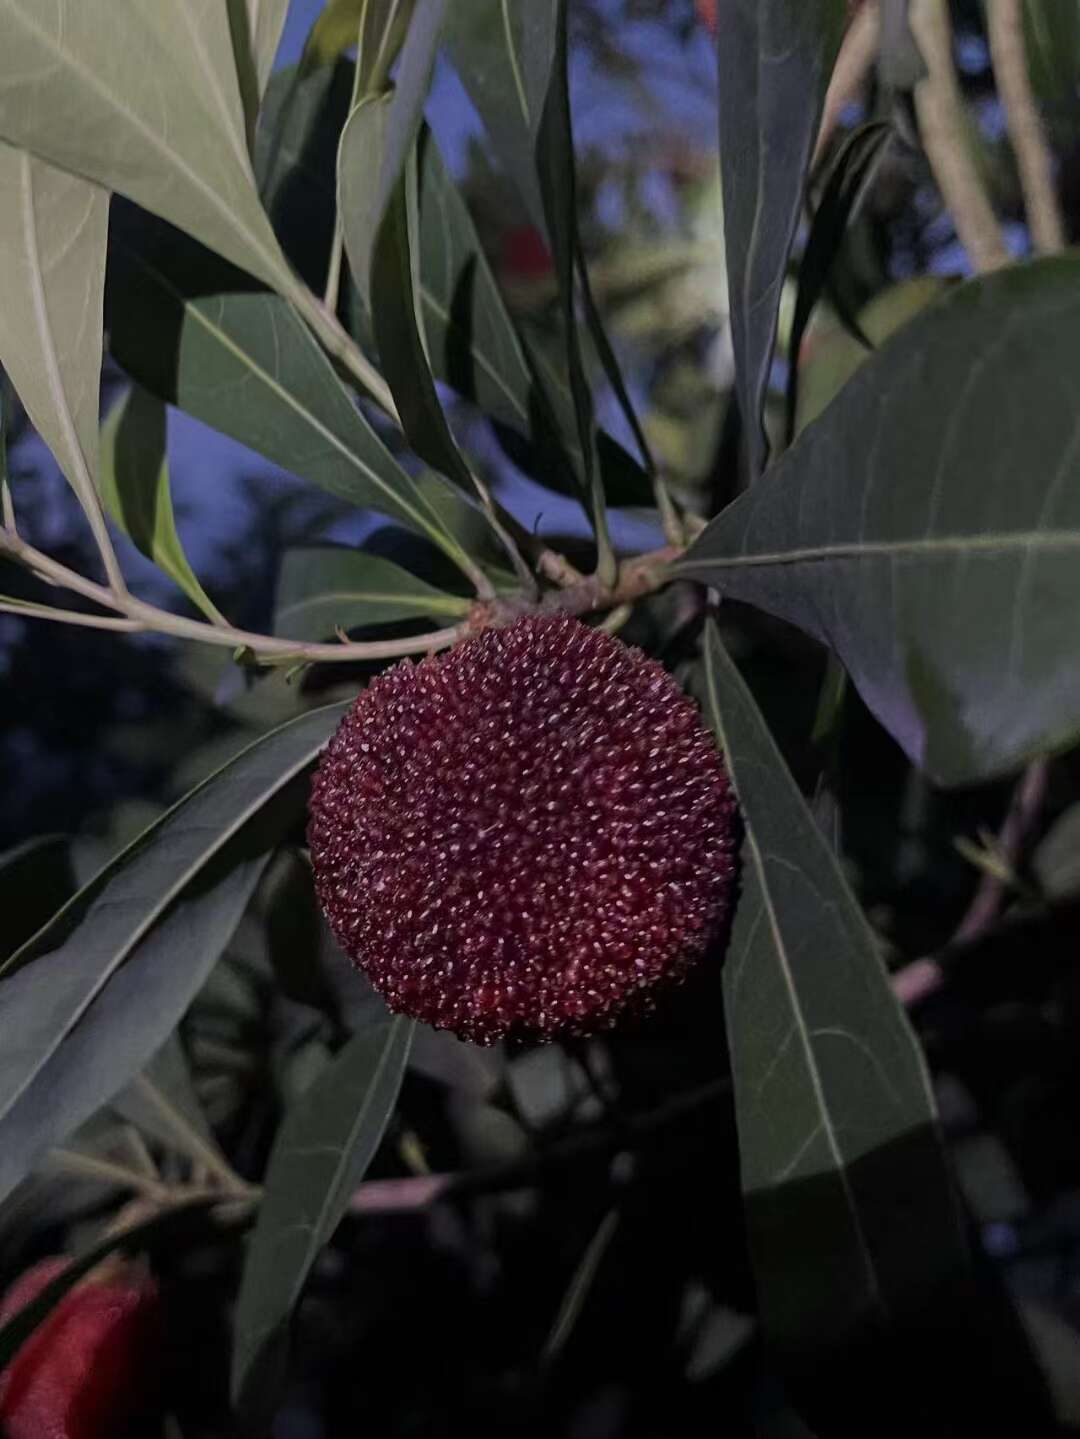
x=524 y=836
x=86 y=1370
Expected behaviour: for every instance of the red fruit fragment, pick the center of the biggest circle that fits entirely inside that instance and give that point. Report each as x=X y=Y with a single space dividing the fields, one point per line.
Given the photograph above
x=707 y=13
x=524 y=255
x=525 y=835
x=87 y=1369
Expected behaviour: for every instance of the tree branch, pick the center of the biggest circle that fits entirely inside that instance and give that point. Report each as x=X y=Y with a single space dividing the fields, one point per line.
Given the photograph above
x=1033 y=158
x=943 y=125
x=858 y=51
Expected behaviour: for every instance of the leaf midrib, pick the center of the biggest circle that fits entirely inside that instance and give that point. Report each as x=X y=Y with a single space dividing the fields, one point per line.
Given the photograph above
x=941 y=546
x=163 y=902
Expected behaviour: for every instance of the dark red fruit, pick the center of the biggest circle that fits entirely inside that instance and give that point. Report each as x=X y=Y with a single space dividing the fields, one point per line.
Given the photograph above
x=524 y=255
x=524 y=835
x=707 y=13
x=87 y=1369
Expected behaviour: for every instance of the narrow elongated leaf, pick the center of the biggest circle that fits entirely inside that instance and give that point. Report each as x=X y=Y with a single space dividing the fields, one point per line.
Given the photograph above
x=88 y=1000
x=857 y=162
x=244 y=363
x=853 y=1225
x=776 y=57
x=134 y=482
x=500 y=51
x=547 y=51
x=323 y=589
x=95 y=1030
x=256 y=27
x=375 y=27
x=510 y=55
x=927 y=526
x=323 y=1148
x=144 y=100
x=393 y=290
x=378 y=140
x=53 y=230
x=266 y=22
x=36 y=878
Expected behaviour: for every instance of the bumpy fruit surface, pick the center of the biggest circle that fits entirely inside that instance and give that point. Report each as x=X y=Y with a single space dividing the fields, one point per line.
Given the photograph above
x=86 y=1370
x=524 y=836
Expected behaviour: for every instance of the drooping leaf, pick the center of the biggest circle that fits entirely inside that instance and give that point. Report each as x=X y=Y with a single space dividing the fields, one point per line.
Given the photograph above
x=1056 y=861
x=322 y=1150
x=36 y=878
x=927 y=526
x=134 y=482
x=472 y=343
x=376 y=27
x=266 y=22
x=144 y=100
x=775 y=59
x=500 y=51
x=547 y=50
x=323 y=589
x=89 y=999
x=53 y=230
x=242 y=362
x=256 y=27
x=851 y=173
x=511 y=56
x=853 y=1226
x=378 y=140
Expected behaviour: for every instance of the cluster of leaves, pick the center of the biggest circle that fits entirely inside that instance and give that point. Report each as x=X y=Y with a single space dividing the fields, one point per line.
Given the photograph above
x=745 y=1207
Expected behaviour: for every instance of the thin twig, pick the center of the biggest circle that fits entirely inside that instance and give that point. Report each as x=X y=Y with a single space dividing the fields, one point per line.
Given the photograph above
x=943 y=126
x=635 y=578
x=1033 y=159
x=924 y=977
x=858 y=51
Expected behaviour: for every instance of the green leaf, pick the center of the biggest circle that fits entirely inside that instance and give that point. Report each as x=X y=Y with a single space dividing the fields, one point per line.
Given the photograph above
x=377 y=141
x=376 y=27
x=244 y=363
x=134 y=481
x=547 y=48
x=256 y=27
x=835 y=354
x=36 y=878
x=503 y=56
x=323 y=589
x=88 y=1000
x=144 y=100
x=393 y=287
x=850 y=176
x=322 y=1150
x=266 y=22
x=53 y=230
x=511 y=57
x=472 y=343
x=775 y=60
x=927 y=527
x=853 y=1225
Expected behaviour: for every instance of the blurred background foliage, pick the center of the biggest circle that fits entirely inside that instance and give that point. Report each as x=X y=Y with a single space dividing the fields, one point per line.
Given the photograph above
x=477 y=1314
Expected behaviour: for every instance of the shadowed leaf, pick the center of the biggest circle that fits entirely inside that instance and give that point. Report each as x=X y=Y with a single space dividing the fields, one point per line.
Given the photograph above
x=320 y=1155
x=927 y=526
